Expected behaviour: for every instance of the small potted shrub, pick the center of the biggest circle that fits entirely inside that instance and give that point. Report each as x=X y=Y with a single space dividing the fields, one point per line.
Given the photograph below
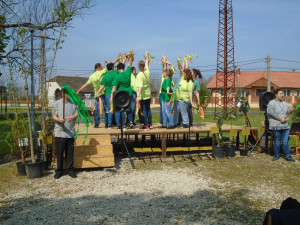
x=15 y=140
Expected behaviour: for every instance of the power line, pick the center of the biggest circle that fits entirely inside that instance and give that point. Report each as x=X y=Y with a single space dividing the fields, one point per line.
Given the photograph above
x=286 y=60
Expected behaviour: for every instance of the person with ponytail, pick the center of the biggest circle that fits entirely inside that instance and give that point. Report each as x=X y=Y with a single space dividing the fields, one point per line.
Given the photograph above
x=196 y=93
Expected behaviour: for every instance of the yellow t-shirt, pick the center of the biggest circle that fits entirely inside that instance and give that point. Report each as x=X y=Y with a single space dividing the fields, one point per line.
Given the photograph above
x=143 y=80
x=95 y=80
x=133 y=83
x=183 y=90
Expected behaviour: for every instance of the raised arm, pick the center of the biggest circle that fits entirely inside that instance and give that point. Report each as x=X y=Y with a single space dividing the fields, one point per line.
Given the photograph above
x=163 y=60
x=131 y=57
x=185 y=63
x=147 y=59
x=117 y=58
x=105 y=62
x=179 y=65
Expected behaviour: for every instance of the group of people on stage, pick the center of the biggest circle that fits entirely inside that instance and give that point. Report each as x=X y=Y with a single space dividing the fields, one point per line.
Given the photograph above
x=181 y=95
x=110 y=79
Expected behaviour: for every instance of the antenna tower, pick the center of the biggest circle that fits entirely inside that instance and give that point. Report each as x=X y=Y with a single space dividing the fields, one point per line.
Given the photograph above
x=225 y=99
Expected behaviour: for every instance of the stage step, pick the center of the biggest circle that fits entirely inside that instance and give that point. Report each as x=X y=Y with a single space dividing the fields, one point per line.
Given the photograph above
x=94 y=161
x=173 y=149
x=96 y=152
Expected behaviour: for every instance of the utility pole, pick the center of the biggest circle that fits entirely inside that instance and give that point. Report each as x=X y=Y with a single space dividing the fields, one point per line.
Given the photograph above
x=43 y=92
x=31 y=29
x=269 y=77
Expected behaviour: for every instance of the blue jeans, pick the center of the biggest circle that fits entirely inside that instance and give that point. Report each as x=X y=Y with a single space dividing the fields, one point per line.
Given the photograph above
x=184 y=107
x=108 y=114
x=167 y=114
x=190 y=114
x=104 y=103
x=145 y=105
x=117 y=115
x=176 y=113
x=160 y=111
x=281 y=136
x=129 y=113
x=96 y=112
x=133 y=105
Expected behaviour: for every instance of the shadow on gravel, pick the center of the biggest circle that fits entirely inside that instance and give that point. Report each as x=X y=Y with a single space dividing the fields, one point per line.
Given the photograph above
x=203 y=207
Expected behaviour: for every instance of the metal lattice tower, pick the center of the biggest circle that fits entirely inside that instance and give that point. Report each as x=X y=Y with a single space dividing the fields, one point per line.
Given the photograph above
x=225 y=76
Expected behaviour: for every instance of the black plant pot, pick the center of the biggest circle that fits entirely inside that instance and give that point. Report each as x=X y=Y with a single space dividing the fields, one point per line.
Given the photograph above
x=244 y=152
x=218 y=152
x=34 y=170
x=230 y=151
x=21 y=169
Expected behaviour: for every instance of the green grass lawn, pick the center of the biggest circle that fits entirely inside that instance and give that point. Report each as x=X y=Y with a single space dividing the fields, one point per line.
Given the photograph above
x=255 y=119
x=5 y=129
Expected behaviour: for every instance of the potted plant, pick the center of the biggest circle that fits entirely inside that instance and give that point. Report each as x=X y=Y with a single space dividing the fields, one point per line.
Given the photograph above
x=218 y=150
x=16 y=140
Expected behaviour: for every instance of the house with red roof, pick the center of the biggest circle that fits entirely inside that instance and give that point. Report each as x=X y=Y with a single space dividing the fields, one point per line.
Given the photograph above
x=251 y=83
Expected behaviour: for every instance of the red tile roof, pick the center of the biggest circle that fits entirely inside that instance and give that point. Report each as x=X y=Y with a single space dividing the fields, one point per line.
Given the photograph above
x=247 y=79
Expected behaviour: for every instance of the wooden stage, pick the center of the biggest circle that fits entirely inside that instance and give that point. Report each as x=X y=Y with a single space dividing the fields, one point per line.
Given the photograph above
x=101 y=144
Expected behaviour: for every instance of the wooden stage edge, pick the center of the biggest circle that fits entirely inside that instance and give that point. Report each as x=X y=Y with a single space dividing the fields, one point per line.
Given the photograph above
x=203 y=127
x=100 y=141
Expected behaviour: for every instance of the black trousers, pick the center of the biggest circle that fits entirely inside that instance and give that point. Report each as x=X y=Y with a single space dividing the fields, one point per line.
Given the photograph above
x=64 y=145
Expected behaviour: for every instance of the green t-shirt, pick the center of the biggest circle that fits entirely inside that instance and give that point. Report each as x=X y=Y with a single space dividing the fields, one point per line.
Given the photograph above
x=166 y=84
x=162 y=80
x=197 y=85
x=133 y=83
x=95 y=80
x=108 y=79
x=183 y=90
x=123 y=81
x=143 y=80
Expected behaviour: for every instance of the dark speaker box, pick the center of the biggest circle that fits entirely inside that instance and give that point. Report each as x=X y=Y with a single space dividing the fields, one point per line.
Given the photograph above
x=264 y=99
x=121 y=101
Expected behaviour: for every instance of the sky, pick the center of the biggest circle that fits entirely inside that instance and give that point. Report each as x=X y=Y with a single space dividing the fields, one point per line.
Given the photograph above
x=177 y=28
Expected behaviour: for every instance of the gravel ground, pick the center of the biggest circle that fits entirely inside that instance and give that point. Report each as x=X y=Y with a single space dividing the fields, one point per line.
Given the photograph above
x=163 y=194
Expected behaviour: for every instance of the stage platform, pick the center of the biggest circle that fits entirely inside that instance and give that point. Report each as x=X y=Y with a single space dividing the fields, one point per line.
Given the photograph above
x=102 y=144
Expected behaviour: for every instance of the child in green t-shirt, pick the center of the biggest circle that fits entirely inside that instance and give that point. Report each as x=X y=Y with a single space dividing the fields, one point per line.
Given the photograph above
x=166 y=92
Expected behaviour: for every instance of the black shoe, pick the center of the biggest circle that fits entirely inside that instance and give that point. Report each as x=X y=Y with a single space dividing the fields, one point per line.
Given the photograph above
x=57 y=175
x=185 y=126
x=131 y=125
x=72 y=174
x=170 y=127
x=106 y=125
x=96 y=126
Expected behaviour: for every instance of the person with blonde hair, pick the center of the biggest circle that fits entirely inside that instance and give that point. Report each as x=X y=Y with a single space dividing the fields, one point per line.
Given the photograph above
x=144 y=92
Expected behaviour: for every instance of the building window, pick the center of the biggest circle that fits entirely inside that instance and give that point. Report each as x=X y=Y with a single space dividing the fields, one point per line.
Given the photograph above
x=298 y=93
x=287 y=92
x=257 y=91
x=222 y=92
x=242 y=92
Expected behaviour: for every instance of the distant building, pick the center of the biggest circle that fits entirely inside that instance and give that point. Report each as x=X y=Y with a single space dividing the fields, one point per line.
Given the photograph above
x=251 y=83
x=56 y=83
